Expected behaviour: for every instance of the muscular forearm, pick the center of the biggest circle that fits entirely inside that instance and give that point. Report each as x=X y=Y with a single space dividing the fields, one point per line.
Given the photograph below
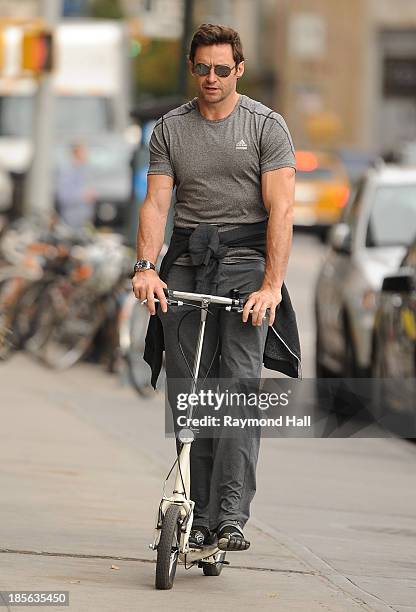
x=150 y=232
x=279 y=242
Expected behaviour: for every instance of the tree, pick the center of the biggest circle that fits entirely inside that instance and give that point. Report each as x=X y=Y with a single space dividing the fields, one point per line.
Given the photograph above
x=106 y=9
x=156 y=68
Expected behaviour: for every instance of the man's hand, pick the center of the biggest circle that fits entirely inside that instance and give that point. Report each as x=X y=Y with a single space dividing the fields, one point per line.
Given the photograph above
x=146 y=285
x=259 y=301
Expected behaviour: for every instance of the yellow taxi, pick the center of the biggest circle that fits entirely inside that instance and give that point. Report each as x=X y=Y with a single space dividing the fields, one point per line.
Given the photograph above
x=322 y=190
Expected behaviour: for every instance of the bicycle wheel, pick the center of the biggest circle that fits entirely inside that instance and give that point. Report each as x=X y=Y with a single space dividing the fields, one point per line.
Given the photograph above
x=168 y=549
x=26 y=313
x=214 y=569
x=8 y=340
x=138 y=369
x=65 y=331
x=6 y=337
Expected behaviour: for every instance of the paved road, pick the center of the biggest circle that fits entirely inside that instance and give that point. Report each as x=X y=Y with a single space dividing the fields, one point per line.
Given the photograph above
x=82 y=462
x=304 y=264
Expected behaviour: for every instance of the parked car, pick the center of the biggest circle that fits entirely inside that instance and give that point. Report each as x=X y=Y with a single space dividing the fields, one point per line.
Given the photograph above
x=322 y=190
x=369 y=243
x=408 y=154
x=394 y=349
x=394 y=346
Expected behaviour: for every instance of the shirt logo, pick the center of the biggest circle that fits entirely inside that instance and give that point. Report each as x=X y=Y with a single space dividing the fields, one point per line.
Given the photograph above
x=241 y=146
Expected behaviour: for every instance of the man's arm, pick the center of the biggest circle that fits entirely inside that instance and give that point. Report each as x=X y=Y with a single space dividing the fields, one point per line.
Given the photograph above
x=278 y=188
x=150 y=236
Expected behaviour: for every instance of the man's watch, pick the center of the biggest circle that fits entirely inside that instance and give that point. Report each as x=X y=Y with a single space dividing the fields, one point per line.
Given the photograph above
x=143 y=264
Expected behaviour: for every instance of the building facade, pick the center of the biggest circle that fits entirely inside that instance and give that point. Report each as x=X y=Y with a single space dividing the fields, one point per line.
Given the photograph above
x=346 y=71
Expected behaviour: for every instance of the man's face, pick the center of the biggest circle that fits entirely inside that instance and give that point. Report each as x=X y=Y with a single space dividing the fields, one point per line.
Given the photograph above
x=212 y=88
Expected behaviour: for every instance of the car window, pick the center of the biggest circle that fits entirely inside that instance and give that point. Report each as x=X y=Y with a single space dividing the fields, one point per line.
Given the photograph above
x=393 y=216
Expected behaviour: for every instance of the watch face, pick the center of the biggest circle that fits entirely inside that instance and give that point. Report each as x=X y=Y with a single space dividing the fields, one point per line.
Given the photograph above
x=142 y=264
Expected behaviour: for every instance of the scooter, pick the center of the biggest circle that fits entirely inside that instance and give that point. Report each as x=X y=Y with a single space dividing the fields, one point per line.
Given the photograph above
x=175 y=512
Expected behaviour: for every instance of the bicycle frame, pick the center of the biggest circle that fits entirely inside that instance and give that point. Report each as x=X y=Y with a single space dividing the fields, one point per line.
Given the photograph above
x=181 y=492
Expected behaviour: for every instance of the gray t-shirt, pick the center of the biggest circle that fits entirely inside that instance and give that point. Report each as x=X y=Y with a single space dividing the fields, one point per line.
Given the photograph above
x=217 y=164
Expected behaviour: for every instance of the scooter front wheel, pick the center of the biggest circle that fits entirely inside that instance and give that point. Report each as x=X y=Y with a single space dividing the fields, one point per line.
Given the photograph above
x=168 y=549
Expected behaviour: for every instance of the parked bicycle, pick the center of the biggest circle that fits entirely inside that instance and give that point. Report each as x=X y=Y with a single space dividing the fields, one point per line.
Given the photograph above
x=78 y=303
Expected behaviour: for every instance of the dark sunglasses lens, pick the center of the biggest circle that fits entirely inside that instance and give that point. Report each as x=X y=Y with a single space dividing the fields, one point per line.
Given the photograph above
x=201 y=69
x=222 y=71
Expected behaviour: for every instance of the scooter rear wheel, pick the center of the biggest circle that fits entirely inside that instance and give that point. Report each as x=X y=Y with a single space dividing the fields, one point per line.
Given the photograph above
x=168 y=549
x=214 y=569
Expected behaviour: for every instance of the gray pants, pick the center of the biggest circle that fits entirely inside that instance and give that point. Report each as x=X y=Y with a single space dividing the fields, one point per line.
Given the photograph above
x=223 y=469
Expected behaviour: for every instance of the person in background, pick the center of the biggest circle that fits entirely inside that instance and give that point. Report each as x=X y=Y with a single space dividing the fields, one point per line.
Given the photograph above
x=75 y=201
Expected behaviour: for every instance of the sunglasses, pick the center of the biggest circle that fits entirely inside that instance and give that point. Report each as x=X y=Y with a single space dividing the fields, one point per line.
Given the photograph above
x=221 y=70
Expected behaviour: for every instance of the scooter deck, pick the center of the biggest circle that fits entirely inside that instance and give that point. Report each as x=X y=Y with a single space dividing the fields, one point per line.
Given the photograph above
x=197 y=554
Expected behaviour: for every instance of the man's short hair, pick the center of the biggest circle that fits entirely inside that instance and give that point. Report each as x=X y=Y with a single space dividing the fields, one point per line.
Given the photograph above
x=210 y=34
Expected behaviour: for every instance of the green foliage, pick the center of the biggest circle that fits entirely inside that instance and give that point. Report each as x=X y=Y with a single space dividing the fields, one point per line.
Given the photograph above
x=106 y=9
x=156 y=68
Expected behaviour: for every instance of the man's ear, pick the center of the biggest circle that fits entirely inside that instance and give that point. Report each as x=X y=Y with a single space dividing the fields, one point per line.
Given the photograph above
x=240 y=70
x=191 y=67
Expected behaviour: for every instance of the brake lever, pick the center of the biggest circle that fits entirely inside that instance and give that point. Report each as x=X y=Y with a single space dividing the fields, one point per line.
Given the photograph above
x=239 y=309
x=169 y=301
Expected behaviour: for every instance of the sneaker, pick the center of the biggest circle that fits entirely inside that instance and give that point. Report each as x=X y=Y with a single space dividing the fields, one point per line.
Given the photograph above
x=231 y=537
x=198 y=536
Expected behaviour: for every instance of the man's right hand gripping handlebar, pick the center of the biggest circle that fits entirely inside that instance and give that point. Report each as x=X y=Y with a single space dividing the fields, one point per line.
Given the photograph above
x=147 y=285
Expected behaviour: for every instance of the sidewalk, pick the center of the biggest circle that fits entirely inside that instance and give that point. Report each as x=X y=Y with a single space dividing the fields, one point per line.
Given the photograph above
x=77 y=501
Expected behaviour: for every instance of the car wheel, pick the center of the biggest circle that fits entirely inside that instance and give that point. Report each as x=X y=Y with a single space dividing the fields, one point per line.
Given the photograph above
x=322 y=232
x=350 y=364
x=378 y=373
x=378 y=366
x=320 y=370
x=323 y=394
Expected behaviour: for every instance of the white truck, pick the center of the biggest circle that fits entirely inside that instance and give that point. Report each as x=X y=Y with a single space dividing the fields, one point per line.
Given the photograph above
x=91 y=83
